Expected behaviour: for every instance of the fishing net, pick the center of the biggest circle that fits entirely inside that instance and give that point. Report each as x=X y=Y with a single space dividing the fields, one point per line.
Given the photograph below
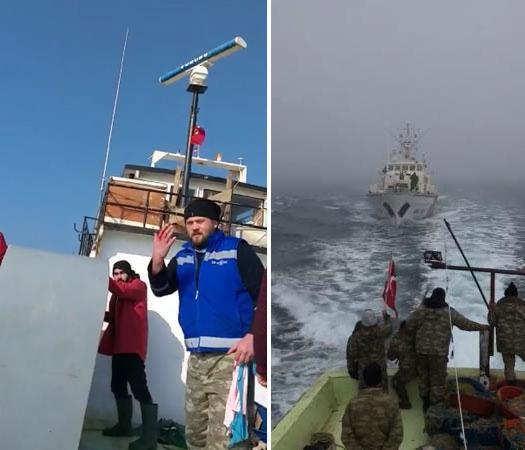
x=513 y=433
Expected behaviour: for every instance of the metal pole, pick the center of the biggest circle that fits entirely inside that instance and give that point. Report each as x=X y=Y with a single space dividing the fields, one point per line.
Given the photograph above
x=442 y=265
x=484 y=353
x=467 y=263
x=492 y=302
x=108 y=145
x=189 y=149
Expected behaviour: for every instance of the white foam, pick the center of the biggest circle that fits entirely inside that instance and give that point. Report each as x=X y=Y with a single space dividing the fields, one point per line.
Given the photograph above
x=314 y=312
x=348 y=276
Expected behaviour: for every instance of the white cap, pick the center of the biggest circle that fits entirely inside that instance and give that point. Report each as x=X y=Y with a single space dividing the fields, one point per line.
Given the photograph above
x=369 y=318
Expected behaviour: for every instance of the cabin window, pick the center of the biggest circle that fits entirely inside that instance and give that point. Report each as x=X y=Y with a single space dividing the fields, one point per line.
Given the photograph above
x=412 y=168
x=390 y=167
x=191 y=192
x=209 y=192
x=398 y=167
x=244 y=209
x=405 y=166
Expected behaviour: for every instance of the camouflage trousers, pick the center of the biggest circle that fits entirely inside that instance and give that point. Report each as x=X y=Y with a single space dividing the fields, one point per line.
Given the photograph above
x=432 y=374
x=404 y=376
x=208 y=382
x=384 y=375
x=509 y=359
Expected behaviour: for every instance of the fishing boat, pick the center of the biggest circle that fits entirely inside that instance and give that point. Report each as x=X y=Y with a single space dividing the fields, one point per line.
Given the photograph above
x=405 y=190
x=63 y=304
x=320 y=409
x=135 y=205
x=56 y=316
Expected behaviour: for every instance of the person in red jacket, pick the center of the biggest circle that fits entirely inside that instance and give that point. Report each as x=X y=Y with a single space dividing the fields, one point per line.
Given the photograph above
x=3 y=247
x=126 y=340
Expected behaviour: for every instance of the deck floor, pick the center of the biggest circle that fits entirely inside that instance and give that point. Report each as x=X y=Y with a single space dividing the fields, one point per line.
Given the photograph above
x=321 y=409
x=92 y=439
x=413 y=421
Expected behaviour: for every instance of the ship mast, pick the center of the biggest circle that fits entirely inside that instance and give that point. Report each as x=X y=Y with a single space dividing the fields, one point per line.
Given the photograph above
x=108 y=145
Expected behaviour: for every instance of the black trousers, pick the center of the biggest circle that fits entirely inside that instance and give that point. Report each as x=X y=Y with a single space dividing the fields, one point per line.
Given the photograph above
x=129 y=368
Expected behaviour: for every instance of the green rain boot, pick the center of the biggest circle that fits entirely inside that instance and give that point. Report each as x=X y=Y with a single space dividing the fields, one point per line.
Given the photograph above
x=148 y=439
x=123 y=427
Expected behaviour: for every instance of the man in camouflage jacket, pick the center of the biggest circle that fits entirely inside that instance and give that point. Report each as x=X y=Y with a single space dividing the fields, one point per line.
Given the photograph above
x=508 y=316
x=403 y=349
x=367 y=345
x=372 y=420
x=431 y=326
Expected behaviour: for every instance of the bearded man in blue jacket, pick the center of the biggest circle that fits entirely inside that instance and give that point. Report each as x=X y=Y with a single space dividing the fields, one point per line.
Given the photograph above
x=218 y=279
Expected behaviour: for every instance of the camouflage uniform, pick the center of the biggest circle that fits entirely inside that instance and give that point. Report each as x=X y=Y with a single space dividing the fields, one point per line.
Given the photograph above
x=508 y=317
x=372 y=421
x=367 y=345
x=432 y=331
x=402 y=348
x=208 y=381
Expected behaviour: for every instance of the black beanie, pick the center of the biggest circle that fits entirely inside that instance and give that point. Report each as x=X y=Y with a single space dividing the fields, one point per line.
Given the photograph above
x=124 y=266
x=438 y=294
x=512 y=290
x=436 y=300
x=372 y=375
x=202 y=207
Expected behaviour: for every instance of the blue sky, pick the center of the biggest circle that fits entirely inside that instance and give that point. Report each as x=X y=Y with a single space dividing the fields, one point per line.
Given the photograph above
x=58 y=75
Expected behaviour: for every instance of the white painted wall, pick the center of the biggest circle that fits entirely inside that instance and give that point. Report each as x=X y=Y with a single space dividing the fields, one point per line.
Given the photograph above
x=49 y=325
x=166 y=360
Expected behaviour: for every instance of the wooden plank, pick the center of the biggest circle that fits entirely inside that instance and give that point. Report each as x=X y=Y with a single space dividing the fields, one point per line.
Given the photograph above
x=131 y=204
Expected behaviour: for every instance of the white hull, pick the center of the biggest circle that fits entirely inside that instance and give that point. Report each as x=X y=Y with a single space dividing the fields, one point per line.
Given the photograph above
x=400 y=207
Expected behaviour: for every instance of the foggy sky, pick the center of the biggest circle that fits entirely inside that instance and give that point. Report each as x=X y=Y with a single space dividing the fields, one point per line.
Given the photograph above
x=347 y=75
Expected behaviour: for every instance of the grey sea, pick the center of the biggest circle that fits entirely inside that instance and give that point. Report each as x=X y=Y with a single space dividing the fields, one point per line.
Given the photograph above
x=329 y=261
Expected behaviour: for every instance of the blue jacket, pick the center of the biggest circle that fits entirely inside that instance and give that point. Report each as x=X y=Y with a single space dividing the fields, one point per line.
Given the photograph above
x=216 y=309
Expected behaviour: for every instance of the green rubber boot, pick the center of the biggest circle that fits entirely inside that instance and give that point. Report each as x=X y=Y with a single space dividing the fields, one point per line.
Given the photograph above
x=123 y=427
x=148 y=439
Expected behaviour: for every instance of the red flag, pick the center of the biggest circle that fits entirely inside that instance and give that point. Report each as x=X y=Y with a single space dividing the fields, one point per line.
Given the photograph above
x=389 y=292
x=198 y=136
x=3 y=247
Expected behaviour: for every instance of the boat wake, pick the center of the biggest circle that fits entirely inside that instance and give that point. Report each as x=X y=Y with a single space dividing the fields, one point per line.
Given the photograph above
x=315 y=305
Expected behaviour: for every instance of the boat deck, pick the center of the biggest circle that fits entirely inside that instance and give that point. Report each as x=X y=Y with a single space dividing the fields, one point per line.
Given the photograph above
x=92 y=439
x=321 y=408
x=413 y=434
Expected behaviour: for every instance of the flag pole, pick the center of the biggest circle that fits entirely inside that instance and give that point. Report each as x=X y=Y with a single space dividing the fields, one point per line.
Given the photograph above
x=385 y=284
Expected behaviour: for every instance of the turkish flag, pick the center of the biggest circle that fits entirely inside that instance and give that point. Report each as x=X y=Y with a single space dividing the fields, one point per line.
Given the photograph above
x=198 y=136
x=3 y=247
x=389 y=292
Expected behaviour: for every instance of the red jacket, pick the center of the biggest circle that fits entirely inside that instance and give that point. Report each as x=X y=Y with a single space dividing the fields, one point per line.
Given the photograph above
x=127 y=331
x=3 y=247
x=259 y=330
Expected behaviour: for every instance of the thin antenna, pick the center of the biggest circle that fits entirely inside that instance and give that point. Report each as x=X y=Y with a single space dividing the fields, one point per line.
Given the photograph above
x=108 y=146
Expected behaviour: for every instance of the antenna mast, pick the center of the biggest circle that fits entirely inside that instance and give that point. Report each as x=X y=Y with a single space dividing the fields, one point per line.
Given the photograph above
x=108 y=146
